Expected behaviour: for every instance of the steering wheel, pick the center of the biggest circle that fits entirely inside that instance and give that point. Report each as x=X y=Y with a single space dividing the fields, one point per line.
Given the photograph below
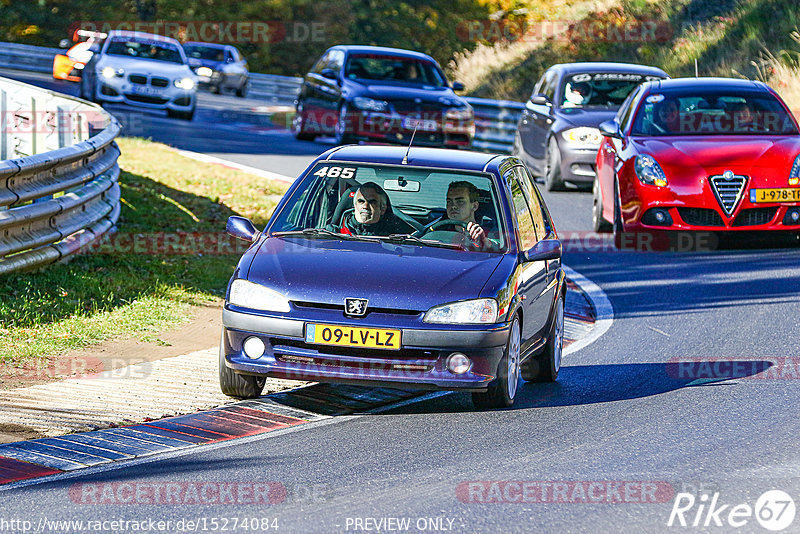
x=439 y=224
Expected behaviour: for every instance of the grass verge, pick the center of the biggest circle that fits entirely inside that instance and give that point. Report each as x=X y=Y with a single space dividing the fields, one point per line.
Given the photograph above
x=119 y=290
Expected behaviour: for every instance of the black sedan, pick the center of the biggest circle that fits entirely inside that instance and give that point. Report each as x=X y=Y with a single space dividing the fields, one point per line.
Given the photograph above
x=557 y=134
x=385 y=95
x=218 y=67
x=440 y=270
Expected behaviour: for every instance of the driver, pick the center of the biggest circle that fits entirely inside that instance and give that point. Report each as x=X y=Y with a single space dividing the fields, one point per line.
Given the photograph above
x=463 y=200
x=576 y=94
x=372 y=214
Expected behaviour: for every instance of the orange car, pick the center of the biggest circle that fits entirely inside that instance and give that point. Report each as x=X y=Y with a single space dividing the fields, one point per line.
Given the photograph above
x=70 y=65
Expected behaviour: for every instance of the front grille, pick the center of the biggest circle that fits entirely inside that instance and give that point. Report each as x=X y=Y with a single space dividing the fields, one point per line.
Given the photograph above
x=146 y=99
x=138 y=79
x=159 y=82
x=409 y=106
x=285 y=346
x=755 y=216
x=700 y=217
x=340 y=307
x=728 y=190
x=374 y=366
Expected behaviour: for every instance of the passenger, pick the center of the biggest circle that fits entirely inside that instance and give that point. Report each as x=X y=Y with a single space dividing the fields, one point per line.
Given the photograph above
x=667 y=117
x=463 y=201
x=372 y=214
x=743 y=118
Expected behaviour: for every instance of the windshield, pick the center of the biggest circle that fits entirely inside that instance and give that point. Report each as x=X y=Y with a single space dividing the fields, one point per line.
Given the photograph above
x=392 y=68
x=600 y=90
x=209 y=53
x=144 y=49
x=712 y=113
x=425 y=207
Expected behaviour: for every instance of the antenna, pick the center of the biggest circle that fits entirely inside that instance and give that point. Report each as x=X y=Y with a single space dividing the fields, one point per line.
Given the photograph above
x=405 y=158
x=695 y=68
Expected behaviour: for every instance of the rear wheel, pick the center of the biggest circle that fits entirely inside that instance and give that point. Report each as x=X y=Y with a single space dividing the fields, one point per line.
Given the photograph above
x=503 y=390
x=552 y=173
x=544 y=366
x=599 y=224
x=235 y=385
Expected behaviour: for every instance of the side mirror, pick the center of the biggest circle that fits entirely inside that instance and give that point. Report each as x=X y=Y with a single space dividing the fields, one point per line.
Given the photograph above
x=64 y=43
x=610 y=129
x=330 y=74
x=540 y=100
x=458 y=86
x=546 y=249
x=241 y=228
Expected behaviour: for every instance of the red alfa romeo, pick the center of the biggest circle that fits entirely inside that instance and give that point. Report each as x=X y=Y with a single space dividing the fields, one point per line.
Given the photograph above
x=711 y=154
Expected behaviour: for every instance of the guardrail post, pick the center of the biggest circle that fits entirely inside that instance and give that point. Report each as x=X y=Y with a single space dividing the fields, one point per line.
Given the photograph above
x=3 y=126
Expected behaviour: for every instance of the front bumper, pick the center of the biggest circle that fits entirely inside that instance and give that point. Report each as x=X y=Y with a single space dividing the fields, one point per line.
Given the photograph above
x=122 y=91
x=578 y=164
x=420 y=364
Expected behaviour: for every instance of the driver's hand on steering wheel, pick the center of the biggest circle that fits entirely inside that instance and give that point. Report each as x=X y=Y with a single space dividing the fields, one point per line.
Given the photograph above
x=477 y=234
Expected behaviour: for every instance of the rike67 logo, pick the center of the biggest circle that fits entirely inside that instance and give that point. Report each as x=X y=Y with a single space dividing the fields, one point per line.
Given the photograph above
x=774 y=510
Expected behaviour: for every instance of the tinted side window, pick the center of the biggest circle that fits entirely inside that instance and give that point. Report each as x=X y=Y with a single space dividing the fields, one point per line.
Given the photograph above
x=534 y=203
x=527 y=232
x=626 y=109
x=549 y=89
x=321 y=64
x=538 y=87
x=336 y=60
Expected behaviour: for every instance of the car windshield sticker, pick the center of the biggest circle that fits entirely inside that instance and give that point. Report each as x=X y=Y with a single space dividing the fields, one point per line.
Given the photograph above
x=654 y=99
x=619 y=76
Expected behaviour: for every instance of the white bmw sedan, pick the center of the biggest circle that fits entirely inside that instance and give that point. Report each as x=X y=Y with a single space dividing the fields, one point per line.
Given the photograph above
x=144 y=70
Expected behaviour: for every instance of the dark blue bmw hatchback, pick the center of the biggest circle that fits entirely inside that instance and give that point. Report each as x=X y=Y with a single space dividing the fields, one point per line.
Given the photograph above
x=429 y=268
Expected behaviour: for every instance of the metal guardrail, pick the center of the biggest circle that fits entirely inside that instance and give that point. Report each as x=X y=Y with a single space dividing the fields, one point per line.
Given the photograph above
x=58 y=183
x=495 y=120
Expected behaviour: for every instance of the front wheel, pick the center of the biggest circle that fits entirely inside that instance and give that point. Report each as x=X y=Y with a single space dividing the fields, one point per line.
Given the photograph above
x=552 y=174
x=599 y=224
x=343 y=137
x=544 y=366
x=503 y=390
x=241 y=92
x=236 y=385
x=184 y=115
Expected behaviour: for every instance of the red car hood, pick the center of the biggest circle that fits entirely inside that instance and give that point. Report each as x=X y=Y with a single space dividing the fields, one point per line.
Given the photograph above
x=709 y=155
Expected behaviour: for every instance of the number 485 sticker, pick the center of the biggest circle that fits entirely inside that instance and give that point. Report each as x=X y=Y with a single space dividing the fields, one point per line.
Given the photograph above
x=336 y=172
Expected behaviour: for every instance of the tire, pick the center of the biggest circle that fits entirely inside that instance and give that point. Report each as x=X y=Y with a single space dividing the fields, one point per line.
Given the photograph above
x=216 y=89
x=552 y=170
x=503 y=390
x=299 y=125
x=341 y=135
x=235 y=385
x=544 y=367
x=87 y=93
x=617 y=227
x=599 y=224
x=241 y=92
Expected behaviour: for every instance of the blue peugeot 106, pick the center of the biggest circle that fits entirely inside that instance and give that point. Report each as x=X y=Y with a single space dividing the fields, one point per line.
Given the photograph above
x=423 y=268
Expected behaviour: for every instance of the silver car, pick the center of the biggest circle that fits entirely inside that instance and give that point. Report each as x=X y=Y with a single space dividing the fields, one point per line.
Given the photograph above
x=144 y=70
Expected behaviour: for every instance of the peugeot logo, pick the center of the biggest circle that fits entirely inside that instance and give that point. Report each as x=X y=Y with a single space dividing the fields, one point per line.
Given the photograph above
x=355 y=307
x=727 y=175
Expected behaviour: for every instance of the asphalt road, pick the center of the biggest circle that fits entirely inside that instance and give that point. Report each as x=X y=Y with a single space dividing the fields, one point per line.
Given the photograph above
x=628 y=420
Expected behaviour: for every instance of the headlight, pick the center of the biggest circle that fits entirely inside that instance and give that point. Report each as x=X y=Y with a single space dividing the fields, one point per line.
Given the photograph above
x=478 y=311
x=459 y=114
x=185 y=83
x=584 y=136
x=370 y=104
x=794 y=175
x=257 y=297
x=110 y=72
x=204 y=71
x=649 y=171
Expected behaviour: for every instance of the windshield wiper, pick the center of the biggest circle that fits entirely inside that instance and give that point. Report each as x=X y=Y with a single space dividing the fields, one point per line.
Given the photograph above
x=407 y=238
x=313 y=232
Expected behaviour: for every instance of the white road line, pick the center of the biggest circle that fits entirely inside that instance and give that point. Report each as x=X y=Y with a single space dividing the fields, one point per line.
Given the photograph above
x=602 y=306
x=205 y=158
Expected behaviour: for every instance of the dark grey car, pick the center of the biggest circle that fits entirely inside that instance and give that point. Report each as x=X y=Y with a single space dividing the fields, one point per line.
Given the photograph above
x=218 y=67
x=557 y=134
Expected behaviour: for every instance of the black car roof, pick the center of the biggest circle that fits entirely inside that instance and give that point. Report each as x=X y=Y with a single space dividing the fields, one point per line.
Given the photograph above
x=209 y=45
x=417 y=156
x=707 y=83
x=364 y=49
x=605 y=66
